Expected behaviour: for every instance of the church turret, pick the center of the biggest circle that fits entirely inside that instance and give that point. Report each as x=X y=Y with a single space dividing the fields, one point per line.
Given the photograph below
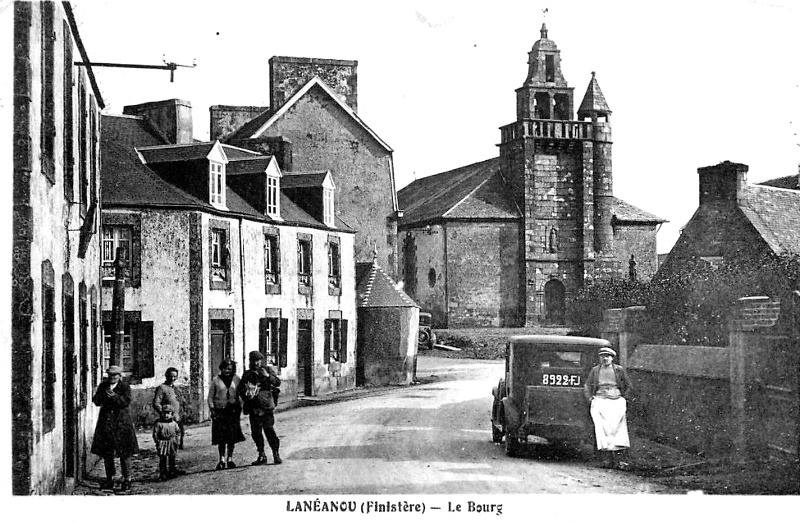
x=545 y=94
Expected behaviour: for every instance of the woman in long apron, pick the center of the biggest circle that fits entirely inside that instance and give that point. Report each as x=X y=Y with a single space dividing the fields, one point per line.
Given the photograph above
x=607 y=388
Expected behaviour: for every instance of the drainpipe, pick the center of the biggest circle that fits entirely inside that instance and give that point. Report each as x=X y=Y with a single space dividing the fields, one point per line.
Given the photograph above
x=241 y=291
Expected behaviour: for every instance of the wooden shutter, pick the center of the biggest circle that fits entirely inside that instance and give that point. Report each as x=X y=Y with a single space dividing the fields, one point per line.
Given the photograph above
x=343 y=334
x=327 y=353
x=283 y=335
x=144 y=350
x=262 y=335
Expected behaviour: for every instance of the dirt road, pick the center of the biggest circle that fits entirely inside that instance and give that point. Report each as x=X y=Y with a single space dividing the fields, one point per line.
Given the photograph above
x=431 y=438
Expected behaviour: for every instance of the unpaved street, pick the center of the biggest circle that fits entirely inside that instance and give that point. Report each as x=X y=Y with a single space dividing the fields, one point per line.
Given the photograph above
x=428 y=438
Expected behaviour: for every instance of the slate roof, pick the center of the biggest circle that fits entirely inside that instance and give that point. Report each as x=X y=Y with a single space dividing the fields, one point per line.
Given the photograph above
x=180 y=152
x=375 y=289
x=237 y=153
x=475 y=190
x=624 y=212
x=247 y=166
x=593 y=100
x=787 y=182
x=303 y=179
x=133 y=131
x=478 y=191
x=775 y=213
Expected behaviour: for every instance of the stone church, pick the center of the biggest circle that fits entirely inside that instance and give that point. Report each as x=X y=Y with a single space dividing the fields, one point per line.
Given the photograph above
x=507 y=241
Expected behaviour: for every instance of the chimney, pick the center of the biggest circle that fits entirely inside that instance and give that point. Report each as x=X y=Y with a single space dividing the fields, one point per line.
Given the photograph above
x=277 y=146
x=172 y=117
x=227 y=118
x=723 y=182
x=287 y=75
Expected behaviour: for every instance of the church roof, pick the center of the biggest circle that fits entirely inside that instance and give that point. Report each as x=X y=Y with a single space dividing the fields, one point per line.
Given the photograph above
x=473 y=191
x=375 y=289
x=624 y=212
x=593 y=100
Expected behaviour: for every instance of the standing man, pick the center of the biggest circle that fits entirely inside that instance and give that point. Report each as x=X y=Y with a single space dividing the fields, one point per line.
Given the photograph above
x=255 y=389
x=166 y=394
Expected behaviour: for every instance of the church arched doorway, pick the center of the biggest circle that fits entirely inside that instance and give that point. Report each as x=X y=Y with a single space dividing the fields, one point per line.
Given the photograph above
x=554 y=302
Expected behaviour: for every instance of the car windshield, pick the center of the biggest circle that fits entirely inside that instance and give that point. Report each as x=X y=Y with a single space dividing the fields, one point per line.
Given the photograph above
x=558 y=360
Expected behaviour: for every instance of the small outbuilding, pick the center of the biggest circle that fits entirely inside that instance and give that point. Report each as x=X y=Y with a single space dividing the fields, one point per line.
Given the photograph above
x=388 y=324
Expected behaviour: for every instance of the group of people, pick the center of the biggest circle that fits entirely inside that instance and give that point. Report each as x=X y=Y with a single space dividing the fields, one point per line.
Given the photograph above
x=255 y=394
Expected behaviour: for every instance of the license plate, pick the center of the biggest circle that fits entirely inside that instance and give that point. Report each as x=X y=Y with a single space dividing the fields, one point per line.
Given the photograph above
x=561 y=379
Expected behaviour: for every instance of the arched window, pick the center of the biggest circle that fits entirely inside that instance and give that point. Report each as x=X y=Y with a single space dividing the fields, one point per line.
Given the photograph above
x=554 y=302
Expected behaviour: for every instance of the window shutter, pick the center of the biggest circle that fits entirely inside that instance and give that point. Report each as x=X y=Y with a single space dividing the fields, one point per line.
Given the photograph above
x=262 y=336
x=276 y=256
x=343 y=353
x=144 y=350
x=327 y=353
x=283 y=335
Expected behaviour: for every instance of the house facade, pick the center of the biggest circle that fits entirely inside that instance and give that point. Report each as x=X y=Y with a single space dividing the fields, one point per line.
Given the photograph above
x=222 y=262
x=509 y=240
x=55 y=257
x=312 y=124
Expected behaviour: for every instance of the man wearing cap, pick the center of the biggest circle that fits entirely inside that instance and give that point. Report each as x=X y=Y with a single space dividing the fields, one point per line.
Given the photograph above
x=607 y=388
x=114 y=435
x=255 y=389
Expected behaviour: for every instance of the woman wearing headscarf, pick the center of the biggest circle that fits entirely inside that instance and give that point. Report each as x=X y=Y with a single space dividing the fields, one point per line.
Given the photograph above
x=226 y=408
x=607 y=388
x=114 y=435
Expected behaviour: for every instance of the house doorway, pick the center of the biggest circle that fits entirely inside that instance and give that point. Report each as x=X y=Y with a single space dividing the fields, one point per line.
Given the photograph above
x=305 y=357
x=554 y=302
x=221 y=346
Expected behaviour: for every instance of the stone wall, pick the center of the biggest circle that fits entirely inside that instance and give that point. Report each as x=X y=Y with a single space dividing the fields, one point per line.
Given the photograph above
x=288 y=74
x=639 y=240
x=424 y=273
x=225 y=119
x=483 y=278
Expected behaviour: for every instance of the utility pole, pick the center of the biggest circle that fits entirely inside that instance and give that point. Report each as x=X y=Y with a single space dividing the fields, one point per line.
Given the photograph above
x=118 y=308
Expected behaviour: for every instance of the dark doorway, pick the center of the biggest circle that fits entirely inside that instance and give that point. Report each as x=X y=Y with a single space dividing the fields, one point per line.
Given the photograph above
x=221 y=343
x=305 y=357
x=69 y=367
x=554 y=302
x=361 y=377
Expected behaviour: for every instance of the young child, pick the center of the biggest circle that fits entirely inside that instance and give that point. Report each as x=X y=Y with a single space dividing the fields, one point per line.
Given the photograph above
x=166 y=435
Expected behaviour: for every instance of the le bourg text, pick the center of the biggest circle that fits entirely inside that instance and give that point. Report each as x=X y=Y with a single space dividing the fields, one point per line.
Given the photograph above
x=369 y=507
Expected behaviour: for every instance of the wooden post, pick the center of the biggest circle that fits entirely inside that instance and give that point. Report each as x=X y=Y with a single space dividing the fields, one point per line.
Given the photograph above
x=118 y=308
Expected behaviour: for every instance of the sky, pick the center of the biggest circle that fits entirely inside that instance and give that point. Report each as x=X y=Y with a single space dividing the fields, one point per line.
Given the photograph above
x=689 y=83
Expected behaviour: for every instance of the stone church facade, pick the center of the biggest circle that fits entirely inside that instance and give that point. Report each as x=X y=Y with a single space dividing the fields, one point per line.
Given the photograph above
x=508 y=241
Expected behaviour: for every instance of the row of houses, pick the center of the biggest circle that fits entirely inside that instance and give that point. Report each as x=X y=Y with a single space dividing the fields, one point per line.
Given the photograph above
x=250 y=241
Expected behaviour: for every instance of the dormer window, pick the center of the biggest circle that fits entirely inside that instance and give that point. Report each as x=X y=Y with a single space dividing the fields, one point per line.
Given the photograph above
x=273 y=206
x=327 y=211
x=217 y=184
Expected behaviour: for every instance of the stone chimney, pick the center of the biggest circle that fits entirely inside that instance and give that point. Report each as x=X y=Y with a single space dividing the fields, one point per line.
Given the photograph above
x=172 y=117
x=227 y=118
x=287 y=75
x=725 y=182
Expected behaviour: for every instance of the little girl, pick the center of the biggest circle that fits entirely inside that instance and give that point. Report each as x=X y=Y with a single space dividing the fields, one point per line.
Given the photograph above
x=166 y=434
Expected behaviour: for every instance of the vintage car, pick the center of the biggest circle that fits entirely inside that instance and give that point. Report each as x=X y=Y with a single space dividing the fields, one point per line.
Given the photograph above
x=541 y=395
x=426 y=338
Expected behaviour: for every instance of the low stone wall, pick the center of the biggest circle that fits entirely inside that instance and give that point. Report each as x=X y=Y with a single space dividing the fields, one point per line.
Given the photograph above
x=682 y=396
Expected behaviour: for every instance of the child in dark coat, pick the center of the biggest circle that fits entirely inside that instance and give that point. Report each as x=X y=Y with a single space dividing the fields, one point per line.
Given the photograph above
x=166 y=435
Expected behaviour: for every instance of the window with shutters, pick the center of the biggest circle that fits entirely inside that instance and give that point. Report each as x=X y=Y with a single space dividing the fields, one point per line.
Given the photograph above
x=69 y=131
x=335 y=340
x=83 y=363
x=219 y=258
x=137 y=346
x=48 y=117
x=115 y=237
x=121 y=229
x=304 y=264
x=334 y=267
x=272 y=262
x=48 y=348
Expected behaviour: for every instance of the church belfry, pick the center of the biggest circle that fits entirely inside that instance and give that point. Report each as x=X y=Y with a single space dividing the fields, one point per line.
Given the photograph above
x=559 y=170
x=545 y=94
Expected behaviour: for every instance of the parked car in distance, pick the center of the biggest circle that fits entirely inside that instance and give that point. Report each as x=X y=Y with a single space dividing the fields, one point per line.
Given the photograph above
x=541 y=394
x=426 y=338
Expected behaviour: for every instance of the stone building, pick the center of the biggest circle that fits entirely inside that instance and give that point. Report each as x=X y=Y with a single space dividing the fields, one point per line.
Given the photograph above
x=222 y=261
x=736 y=221
x=312 y=124
x=54 y=296
x=507 y=241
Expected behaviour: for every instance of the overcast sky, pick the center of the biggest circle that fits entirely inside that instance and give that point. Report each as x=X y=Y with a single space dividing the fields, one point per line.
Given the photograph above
x=690 y=83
